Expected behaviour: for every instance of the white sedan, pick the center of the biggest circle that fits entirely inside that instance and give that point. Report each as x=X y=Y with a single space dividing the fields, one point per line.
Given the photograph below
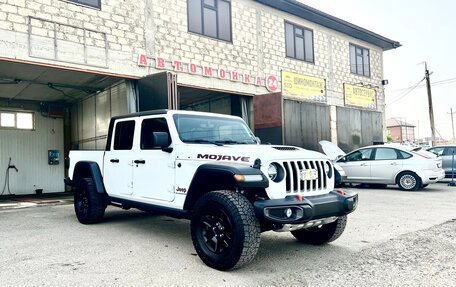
x=383 y=164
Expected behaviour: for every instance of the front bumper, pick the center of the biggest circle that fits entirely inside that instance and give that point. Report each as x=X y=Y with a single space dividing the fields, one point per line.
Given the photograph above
x=294 y=209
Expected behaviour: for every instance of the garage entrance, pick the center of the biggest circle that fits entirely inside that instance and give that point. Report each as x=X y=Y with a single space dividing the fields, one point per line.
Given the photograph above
x=203 y=100
x=37 y=116
x=162 y=91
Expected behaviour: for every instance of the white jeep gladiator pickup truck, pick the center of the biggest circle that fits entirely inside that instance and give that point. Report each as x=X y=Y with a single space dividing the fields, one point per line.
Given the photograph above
x=211 y=169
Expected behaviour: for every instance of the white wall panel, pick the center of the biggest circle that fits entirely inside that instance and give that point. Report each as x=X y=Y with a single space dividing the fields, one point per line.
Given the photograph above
x=103 y=113
x=119 y=100
x=90 y=117
x=28 y=151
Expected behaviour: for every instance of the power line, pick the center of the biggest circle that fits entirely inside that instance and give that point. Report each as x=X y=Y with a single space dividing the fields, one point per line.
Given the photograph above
x=437 y=83
x=397 y=96
x=412 y=88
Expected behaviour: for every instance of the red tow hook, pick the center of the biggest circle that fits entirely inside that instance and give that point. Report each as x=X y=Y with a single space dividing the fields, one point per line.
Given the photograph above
x=340 y=191
x=299 y=197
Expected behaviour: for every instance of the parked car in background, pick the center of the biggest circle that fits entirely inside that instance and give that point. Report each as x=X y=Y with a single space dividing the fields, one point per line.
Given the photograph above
x=446 y=153
x=335 y=153
x=387 y=165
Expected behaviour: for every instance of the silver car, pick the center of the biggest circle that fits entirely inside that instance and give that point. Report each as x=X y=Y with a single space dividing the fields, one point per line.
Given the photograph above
x=383 y=164
x=446 y=153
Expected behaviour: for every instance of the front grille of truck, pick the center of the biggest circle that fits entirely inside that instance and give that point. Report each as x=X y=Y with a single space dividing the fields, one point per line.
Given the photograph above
x=294 y=183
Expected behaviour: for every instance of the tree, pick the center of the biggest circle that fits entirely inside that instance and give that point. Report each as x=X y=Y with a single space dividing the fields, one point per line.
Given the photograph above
x=389 y=138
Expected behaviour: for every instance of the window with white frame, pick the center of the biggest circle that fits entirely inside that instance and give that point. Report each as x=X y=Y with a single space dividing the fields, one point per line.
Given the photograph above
x=17 y=120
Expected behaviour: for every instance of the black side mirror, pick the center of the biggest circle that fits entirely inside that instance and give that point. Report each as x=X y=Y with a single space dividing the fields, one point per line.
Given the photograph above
x=160 y=139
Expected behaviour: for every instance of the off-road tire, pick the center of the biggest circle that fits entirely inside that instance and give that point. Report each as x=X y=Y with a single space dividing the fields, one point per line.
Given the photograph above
x=89 y=205
x=322 y=235
x=408 y=181
x=233 y=218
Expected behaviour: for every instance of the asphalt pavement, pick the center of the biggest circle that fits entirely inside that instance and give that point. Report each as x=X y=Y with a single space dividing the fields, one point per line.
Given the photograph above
x=394 y=238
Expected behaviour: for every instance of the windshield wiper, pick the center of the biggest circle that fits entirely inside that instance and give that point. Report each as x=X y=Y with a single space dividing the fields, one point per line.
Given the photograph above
x=204 y=141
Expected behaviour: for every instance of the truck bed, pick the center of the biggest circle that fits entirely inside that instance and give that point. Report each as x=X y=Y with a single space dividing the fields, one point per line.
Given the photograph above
x=85 y=155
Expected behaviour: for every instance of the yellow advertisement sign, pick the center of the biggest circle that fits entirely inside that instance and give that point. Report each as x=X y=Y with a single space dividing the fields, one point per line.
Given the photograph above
x=303 y=87
x=360 y=97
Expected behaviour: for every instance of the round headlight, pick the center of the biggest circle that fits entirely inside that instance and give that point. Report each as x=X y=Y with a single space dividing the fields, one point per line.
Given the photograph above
x=272 y=171
x=329 y=169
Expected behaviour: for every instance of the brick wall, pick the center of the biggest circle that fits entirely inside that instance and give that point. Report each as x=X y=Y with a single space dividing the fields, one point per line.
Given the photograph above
x=121 y=30
x=113 y=35
x=258 y=48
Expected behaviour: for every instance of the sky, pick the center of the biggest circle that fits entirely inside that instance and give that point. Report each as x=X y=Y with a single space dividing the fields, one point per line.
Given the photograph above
x=426 y=30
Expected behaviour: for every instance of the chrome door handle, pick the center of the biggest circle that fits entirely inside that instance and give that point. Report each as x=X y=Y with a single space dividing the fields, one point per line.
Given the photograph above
x=115 y=160
x=363 y=164
x=393 y=163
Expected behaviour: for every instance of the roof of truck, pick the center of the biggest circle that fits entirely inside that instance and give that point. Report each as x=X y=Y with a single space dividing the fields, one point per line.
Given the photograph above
x=141 y=114
x=164 y=111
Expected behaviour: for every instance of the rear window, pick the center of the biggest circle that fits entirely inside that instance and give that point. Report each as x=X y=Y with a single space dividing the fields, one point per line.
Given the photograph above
x=437 y=150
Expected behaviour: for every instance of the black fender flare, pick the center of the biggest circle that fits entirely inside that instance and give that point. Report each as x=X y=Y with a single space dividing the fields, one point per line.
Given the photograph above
x=90 y=169
x=210 y=177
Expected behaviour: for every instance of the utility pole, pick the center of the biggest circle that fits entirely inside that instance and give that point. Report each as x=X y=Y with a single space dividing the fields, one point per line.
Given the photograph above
x=452 y=124
x=431 y=111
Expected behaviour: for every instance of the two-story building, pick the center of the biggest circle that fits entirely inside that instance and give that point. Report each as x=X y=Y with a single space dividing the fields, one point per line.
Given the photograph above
x=296 y=74
x=400 y=131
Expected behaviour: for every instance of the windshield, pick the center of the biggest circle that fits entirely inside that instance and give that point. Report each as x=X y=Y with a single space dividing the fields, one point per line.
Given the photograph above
x=216 y=130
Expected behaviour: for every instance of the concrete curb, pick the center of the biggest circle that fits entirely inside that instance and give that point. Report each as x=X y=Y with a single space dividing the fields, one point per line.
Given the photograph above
x=12 y=202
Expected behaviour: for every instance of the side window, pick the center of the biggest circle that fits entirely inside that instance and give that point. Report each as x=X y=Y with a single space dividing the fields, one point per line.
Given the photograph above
x=299 y=43
x=359 y=60
x=148 y=127
x=124 y=132
x=355 y=156
x=385 y=154
x=17 y=120
x=90 y=3
x=211 y=18
x=359 y=155
x=405 y=155
x=450 y=151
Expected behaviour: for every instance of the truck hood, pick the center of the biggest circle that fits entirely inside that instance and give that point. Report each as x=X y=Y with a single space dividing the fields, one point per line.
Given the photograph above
x=245 y=153
x=331 y=150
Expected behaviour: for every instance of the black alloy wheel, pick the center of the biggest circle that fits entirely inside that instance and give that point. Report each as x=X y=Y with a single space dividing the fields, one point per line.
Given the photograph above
x=225 y=230
x=89 y=205
x=216 y=230
x=81 y=203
